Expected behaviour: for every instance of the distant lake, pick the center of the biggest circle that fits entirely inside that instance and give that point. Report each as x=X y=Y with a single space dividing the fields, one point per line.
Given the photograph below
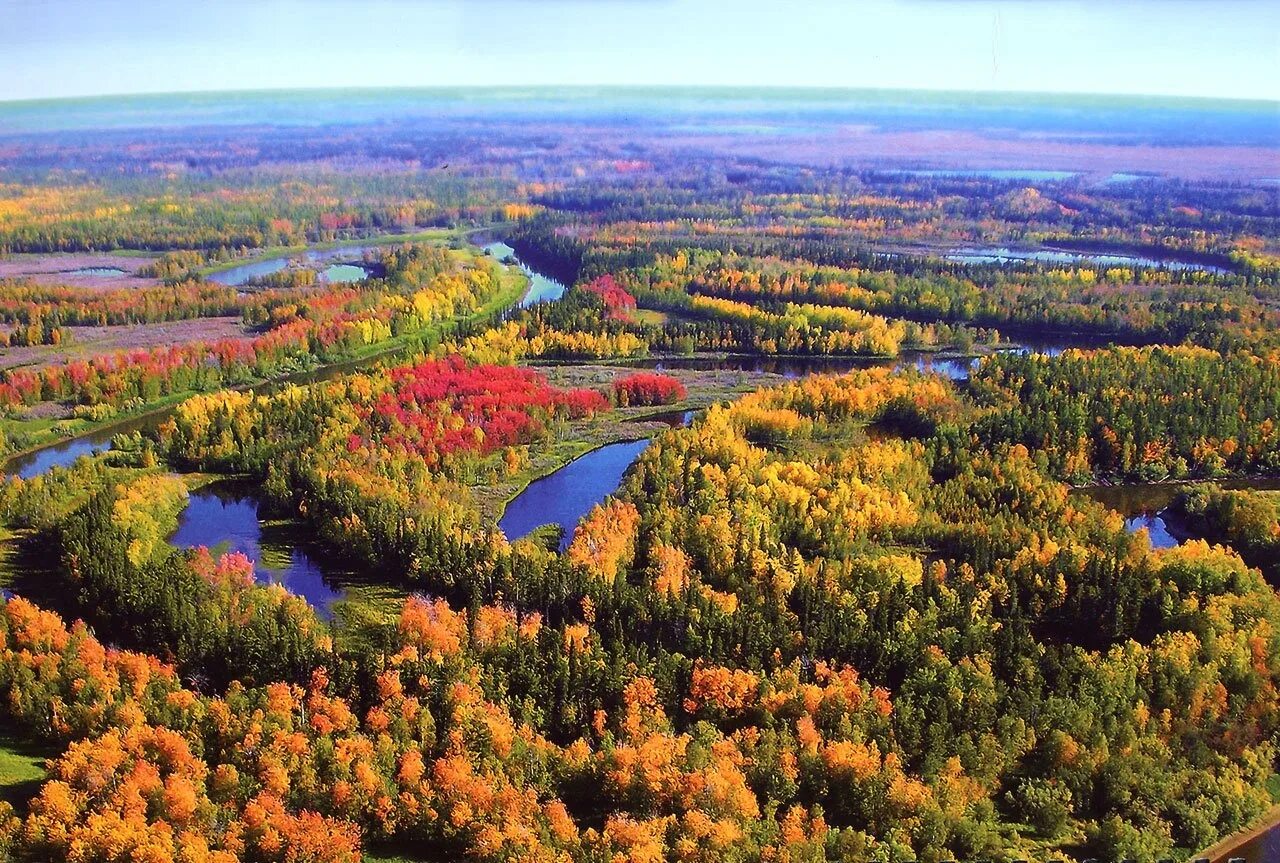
x=1005 y=255
x=995 y=173
x=224 y=518
x=1126 y=177
x=97 y=271
x=565 y=496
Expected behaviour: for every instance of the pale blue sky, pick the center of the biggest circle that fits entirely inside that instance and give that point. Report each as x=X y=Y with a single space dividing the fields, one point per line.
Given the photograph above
x=1176 y=47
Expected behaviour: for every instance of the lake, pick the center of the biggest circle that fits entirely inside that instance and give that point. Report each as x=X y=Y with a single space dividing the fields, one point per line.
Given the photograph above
x=565 y=496
x=1032 y=174
x=1145 y=505
x=1072 y=257
x=343 y=260
x=224 y=517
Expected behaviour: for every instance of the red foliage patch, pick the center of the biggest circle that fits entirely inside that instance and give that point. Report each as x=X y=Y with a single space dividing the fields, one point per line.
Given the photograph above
x=648 y=388
x=617 y=301
x=442 y=407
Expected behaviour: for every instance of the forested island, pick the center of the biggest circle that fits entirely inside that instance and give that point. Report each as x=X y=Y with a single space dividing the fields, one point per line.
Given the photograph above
x=514 y=483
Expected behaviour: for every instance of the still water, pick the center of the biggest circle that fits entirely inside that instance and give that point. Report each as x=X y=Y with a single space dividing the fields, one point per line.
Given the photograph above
x=341 y=273
x=541 y=288
x=224 y=517
x=97 y=271
x=997 y=174
x=565 y=496
x=1146 y=505
x=952 y=367
x=1005 y=255
x=341 y=258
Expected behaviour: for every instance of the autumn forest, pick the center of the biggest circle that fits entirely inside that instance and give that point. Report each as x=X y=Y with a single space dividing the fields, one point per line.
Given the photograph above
x=512 y=481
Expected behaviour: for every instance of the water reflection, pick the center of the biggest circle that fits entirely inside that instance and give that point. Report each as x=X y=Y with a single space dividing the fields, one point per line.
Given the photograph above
x=65 y=453
x=541 y=288
x=564 y=497
x=673 y=418
x=793 y=367
x=343 y=261
x=224 y=517
x=995 y=173
x=1005 y=255
x=1146 y=505
x=97 y=271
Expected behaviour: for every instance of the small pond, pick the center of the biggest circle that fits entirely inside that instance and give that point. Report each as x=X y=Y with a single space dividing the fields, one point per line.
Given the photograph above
x=224 y=517
x=97 y=271
x=339 y=273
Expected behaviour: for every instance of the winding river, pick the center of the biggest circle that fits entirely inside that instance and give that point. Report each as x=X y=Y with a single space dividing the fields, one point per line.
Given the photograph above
x=542 y=289
x=225 y=516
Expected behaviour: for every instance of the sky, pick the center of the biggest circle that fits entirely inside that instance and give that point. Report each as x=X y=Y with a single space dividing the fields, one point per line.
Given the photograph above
x=1223 y=48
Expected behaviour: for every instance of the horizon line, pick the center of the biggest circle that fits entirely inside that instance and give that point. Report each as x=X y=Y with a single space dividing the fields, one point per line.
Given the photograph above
x=826 y=89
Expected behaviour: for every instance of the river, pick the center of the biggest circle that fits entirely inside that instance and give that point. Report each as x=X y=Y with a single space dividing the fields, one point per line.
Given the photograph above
x=566 y=495
x=542 y=289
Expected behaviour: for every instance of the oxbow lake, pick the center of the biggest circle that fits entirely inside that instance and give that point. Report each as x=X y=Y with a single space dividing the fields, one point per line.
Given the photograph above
x=342 y=266
x=565 y=496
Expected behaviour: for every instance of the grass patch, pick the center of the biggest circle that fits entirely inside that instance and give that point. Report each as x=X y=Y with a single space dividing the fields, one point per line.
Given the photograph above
x=21 y=769
x=650 y=316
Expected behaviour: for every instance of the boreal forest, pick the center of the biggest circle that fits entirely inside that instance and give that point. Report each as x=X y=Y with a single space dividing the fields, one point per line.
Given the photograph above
x=620 y=485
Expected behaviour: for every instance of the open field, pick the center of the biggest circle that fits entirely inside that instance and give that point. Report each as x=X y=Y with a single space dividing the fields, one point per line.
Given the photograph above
x=91 y=341
x=61 y=269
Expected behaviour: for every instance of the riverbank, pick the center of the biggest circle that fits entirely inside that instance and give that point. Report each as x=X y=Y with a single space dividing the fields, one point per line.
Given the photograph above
x=1256 y=844
x=270 y=253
